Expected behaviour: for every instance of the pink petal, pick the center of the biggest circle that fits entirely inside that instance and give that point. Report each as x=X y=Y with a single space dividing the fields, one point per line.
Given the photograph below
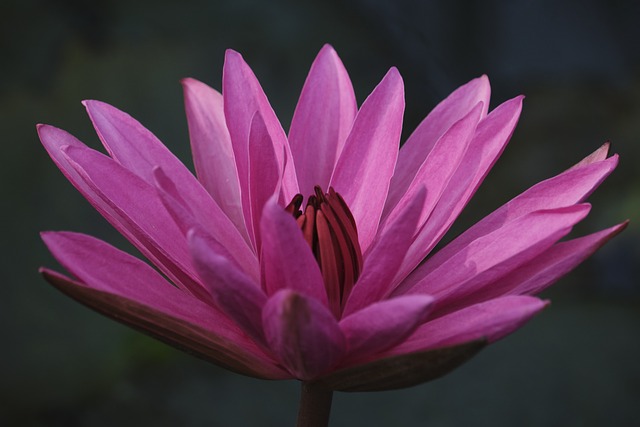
x=212 y=151
x=493 y=255
x=322 y=120
x=233 y=292
x=135 y=209
x=366 y=164
x=287 y=260
x=492 y=135
x=384 y=324
x=385 y=257
x=436 y=171
x=415 y=150
x=571 y=186
x=243 y=96
x=597 y=156
x=490 y=320
x=264 y=175
x=303 y=334
x=123 y=287
x=186 y=216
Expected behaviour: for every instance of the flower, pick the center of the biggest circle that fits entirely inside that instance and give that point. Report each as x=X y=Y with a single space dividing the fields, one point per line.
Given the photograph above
x=300 y=255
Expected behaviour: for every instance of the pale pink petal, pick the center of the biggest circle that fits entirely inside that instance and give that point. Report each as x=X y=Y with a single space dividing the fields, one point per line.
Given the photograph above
x=436 y=171
x=233 y=292
x=366 y=164
x=322 y=120
x=597 y=156
x=492 y=135
x=186 y=216
x=125 y=288
x=385 y=257
x=264 y=175
x=137 y=211
x=287 y=260
x=384 y=324
x=211 y=145
x=490 y=320
x=572 y=186
x=415 y=150
x=243 y=96
x=302 y=333
x=495 y=254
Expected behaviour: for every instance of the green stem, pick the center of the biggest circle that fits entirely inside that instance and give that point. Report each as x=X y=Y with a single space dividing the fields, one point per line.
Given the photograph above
x=315 y=405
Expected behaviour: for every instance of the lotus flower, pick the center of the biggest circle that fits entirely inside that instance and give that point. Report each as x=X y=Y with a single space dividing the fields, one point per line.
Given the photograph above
x=300 y=255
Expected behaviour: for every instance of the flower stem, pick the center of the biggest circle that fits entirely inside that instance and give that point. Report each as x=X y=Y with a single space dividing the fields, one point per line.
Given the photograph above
x=315 y=405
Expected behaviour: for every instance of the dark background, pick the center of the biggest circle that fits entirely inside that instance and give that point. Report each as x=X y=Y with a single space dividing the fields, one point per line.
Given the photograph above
x=577 y=62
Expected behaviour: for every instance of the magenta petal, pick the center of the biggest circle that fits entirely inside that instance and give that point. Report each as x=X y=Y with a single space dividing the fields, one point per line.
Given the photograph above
x=322 y=120
x=212 y=150
x=492 y=256
x=366 y=164
x=384 y=324
x=387 y=253
x=233 y=292
x=243 y=96
x=130 y=291
x=490 y=320
x=287 y=260
x=457 y=105
x=303 y=334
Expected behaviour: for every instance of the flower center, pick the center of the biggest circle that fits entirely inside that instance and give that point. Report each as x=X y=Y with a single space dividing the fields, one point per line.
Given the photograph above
x=330 y=230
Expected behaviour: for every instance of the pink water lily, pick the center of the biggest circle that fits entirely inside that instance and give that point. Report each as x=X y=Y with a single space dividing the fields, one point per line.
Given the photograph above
x=300 y=255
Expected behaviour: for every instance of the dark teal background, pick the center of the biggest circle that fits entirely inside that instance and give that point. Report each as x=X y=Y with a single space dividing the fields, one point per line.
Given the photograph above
x=577 y=62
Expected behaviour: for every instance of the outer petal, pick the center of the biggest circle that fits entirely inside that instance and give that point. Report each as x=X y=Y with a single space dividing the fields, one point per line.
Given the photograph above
x=302 y=333
x=382 y=263
x=322 y=120
x=383 y=324
x=365 y=167
x=496 y=254
x=444 y=115
x=490 y=320
x=570 y=187
x=233 y=292
x=243 y=96
x=492 y=135
x=124 y=288
x=287 y=260
x=212 y=150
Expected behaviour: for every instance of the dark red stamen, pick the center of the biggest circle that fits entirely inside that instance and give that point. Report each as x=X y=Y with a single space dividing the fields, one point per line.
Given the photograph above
x=330 y=230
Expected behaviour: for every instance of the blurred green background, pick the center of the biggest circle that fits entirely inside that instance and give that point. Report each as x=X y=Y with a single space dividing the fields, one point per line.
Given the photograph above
x=577 y=62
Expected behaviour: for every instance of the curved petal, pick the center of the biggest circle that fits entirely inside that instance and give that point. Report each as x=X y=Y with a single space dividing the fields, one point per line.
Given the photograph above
x=490 y=320
x=303 y=333
x=384 y=324
x=233 y=292
x=243 y=96
x=492 y=256
x=366 y=164
x=492 y=135
x=287 y=260
x=567 y=188
x=322 y=120
x=382 y=263
x=126 y=289
x=212 y=151
x=416 y=149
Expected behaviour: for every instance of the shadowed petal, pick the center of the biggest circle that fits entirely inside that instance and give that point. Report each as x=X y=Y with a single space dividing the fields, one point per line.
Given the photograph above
x=126 y=289
x=233 y=292
x=415 y=150
x=303 y=333
x=287 y=260
x=383 y=324
x=212 y=151
x=322 y=120
x=366 y=164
